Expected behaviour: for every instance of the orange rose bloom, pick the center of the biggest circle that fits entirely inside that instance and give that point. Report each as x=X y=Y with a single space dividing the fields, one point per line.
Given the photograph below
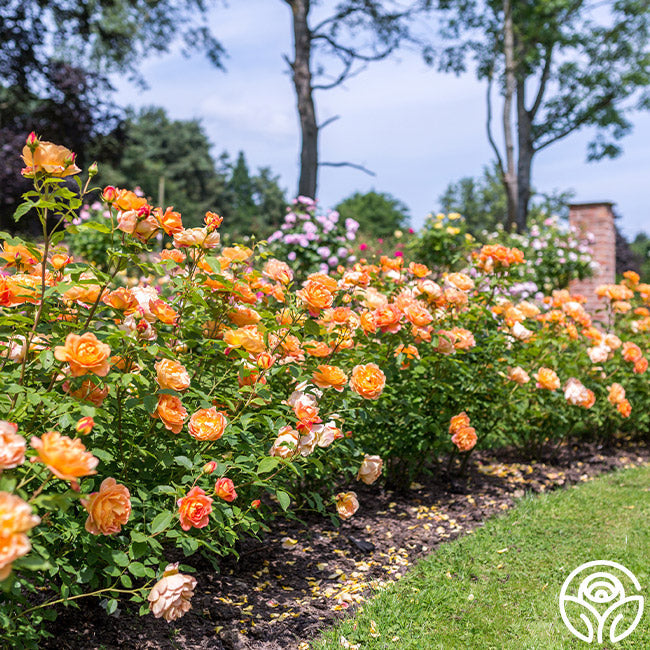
x=127 y=200
x=109 y=509
x=171 y=411
x=207 y=424
x=624 y=408
x=317 y=348
x=122 y=299
x=170 y=221
x=387 y=318
x=194 y=509
x=249 y=338
x=346 y=504
x=616 y=394
x=640 y=366
x=89 y=392
x=285 y=444
x=322 y=278
x=418 y=270
x=170 y=596
x=172 y=375
x=164 y=313
x=547 y=378
x=64 y=457
x=368 y=380
x=458 y=422
x=518 y=375
x=315 y=296
x=465 y=438
x=326 y=376
x=12 y=446
x=242 y=316
x=417 y=314
x=85 y=354
x=20 y=256
x=460 y=281
x=631 y=352
x=224 y=488
x=368 y=322
x=49 y=158
x=16 y=519
x=370 y=469
x=278 y=271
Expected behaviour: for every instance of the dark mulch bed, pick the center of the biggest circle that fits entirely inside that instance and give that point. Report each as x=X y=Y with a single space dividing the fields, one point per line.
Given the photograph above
x=276 y=598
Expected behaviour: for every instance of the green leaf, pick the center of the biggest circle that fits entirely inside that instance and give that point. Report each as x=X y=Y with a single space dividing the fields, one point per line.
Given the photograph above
x=120 y=558
x=183 y=461
x=267 y=465
x=283 y=499
x=160 y=522
x=137 y=569
x=111 y=606
x=23 y=209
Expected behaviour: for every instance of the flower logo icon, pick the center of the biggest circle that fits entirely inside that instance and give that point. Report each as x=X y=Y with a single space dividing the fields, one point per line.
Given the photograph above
x=593 y=601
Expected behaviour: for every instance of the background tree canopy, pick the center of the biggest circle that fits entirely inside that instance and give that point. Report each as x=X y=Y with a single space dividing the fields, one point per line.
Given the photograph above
x=379 y=214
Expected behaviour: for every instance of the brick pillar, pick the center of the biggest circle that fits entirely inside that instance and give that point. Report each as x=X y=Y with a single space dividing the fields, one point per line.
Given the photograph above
x=598 y=219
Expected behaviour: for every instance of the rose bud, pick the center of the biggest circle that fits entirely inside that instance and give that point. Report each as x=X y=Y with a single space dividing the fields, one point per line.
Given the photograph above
x=93 y=169
x=32 y=141
x=109 y=194
x=85 y=426
x=208 y=468
x=256 y=504
x=224 y=488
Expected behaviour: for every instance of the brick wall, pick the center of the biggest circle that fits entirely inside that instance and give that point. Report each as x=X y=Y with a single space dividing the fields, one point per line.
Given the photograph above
x=598 y=219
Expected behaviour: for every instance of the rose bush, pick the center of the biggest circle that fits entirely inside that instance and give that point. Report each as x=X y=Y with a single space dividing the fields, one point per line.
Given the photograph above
x=181 y=397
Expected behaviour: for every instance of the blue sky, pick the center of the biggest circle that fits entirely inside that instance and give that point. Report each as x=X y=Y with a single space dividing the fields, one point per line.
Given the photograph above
x=416 y=129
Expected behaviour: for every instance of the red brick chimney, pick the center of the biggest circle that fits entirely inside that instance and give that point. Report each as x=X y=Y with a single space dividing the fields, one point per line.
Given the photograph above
x=598 y=219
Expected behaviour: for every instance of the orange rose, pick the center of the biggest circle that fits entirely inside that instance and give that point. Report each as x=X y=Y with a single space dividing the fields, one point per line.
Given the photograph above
x=249 y=338
x=171 y=411
x=368 y=322
x=20 y=256
x=317 y=348
x=631 y=352
x=170 y=596
x=172 y=254
x=418 y=270
x=242 y=316
x=322 y=278
x=85 y=354
x=12 y=446
x=346 y=504
x=212 y=220
x=460 y=281
x=207 y=424
x=109 y=509
x=163 y=312
x=16 y=519
x=518 y=375
x=122 y=299
x=126 y=200
x=463 y=339
x=285 y=444
x=278 y=271
x=49 y=158
x=547 y=378
x=169 y=221
x=326 y=376
x=616 y=394
x=172 y=375
x=196 y=237
x=370 y=469
x=194 y=509
x=368 y=380
x=640 y=366
x=224 y=488
x=315 y=296
x=64 y=457
x=387 y=318
x=417 y=314
x=458 y=422
x=465 y=438
x=624 y=408
x=89 y=391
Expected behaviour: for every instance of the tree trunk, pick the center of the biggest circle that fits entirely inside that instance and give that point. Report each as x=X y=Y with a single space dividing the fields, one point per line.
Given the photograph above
x=509 y=173
x=525 y=161
x=302 y=82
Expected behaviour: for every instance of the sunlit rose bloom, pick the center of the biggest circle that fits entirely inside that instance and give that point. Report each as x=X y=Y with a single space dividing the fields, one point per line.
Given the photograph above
x=207 y=424
x=521 y=332
x=170 y=596
x=172 y=254
x=328 y=282
x=418 y=270
x=278 y=271
x=458 y=422
x=370 y=469
x=196 y=237
x=89 y=391
x=460 y=281
x=518 y=375
x=265 y=360
x=171 y=412
x=346 y=504
x=286 y=442
x=307 y=442
x=122 y=299
x=368 y=380
x=621 y=306
x=624 y=408
x=21 y=288
x=12 y=446
x=368 y=322
x=632 y=277
x=242 y=316
x=145 y=296
x=305 y=408
x=373 y=299
x=528 y=309
x=598 y=354
x=616 y=394
x=85 y=354
x=315 y=296
x=409 y=351
x=456 y=297
x=612 y=341
x=48 y=158
x=172 y=375
x=388 y=317
x=109 y=509
x=577 y=394
x=164 y=312
x=64 y=457
x=640 y=366
x=224 y=488
x=445 y=342
x=169 y=221
x=327 y=433
x=16 y=519
x=631 y=352
x=547 y=378
x=249 y=338
x=20 y=257
x=417 y=314
x=464 y=438
x=126 y=200
x=326 y=376
x=317 y=349
x=194 y=509
x=236 y=253
x=430 y=288
x=127 y=221
x=463 y=339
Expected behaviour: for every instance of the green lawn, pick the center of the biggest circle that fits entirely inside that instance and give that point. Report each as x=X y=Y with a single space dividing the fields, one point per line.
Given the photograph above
x=499 y=587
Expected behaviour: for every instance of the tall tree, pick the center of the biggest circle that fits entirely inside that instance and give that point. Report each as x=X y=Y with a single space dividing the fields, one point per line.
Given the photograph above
x=352 y=34
x=379 y=214
x=558 y=66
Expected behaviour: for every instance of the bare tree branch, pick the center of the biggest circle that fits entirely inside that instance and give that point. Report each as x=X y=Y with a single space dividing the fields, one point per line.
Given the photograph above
x=347 y=164
x=542 y=83
x=353 y=53
x=328 y=121
x=346 y=74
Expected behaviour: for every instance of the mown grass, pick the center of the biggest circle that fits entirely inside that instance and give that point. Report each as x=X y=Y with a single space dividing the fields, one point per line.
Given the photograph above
x=499 y=587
